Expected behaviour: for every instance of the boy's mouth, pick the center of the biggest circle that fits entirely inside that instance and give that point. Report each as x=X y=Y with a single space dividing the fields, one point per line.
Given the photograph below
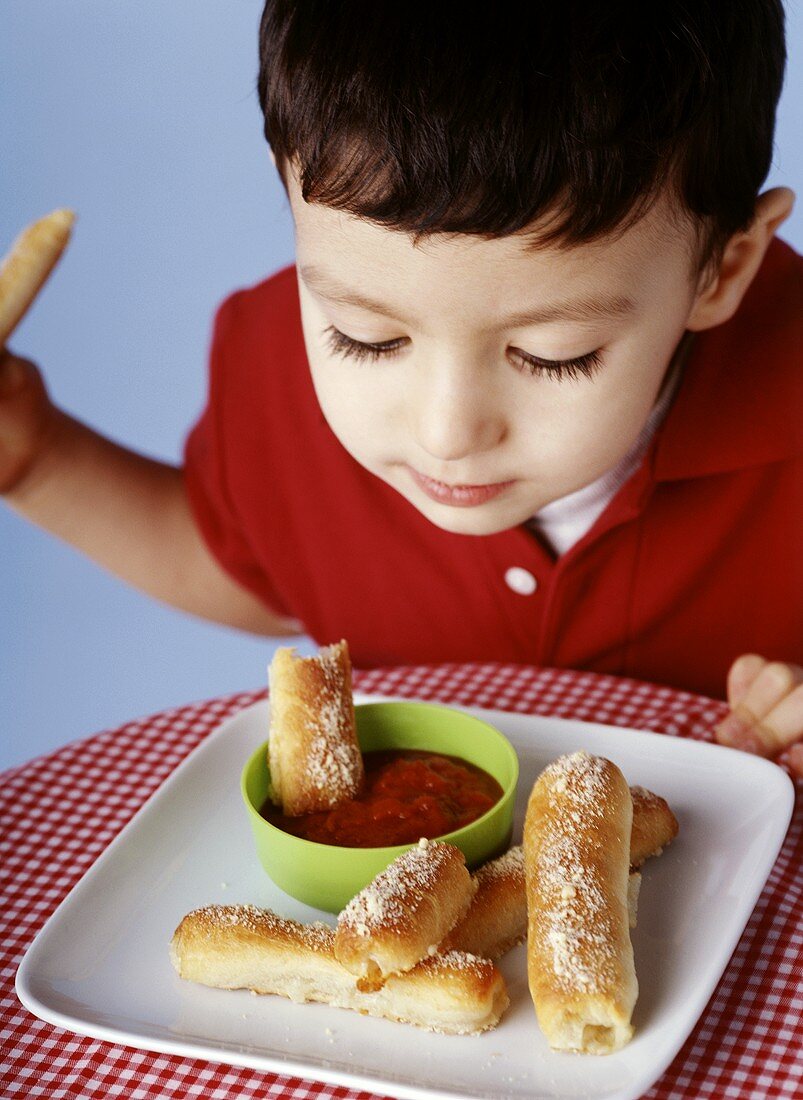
x=458 y=496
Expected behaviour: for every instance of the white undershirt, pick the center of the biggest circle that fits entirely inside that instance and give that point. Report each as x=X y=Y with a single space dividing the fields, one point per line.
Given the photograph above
x=563 y=522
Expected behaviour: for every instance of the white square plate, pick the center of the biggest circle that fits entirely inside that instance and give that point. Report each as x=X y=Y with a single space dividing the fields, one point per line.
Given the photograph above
x=100 y=965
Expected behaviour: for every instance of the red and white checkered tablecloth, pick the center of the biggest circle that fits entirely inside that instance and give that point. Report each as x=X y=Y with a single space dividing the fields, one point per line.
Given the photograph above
x=58 y=813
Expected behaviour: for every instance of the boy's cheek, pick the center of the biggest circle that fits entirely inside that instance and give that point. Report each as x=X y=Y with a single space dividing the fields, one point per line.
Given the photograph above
x=367 y=429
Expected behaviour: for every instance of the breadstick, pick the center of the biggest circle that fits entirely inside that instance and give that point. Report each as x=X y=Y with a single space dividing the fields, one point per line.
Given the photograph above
x=654 y=826
x=497 y=917
x=313 y=754
x=242 y=947
x=33 y=256
x=401 y=917
x=577 y=857
x=633 y=891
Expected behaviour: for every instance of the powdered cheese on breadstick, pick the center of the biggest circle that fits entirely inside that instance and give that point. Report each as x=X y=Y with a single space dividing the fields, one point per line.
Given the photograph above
x=496 y=920
x=313 y=754
x=577 y=858
x=242 y=947
x=402 y=916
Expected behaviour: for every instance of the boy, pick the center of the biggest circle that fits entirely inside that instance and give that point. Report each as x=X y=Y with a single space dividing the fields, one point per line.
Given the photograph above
x=546 y=403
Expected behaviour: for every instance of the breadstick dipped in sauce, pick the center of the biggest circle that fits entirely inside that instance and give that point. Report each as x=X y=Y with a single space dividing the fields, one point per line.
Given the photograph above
x=313 y=754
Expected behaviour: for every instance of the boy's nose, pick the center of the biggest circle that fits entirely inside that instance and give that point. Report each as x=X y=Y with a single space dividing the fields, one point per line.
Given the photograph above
x=455 y=417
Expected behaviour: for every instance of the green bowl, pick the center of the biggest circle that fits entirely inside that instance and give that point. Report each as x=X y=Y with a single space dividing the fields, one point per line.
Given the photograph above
x=327 y=876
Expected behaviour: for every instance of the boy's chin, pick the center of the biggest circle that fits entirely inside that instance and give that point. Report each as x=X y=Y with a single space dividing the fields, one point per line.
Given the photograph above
x=481 y=520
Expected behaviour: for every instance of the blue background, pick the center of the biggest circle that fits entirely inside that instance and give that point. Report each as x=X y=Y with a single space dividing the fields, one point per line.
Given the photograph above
x=143 y=118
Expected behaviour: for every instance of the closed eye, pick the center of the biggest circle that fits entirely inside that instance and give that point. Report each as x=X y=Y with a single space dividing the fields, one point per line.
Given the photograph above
x=347 y=347
x=585 y=366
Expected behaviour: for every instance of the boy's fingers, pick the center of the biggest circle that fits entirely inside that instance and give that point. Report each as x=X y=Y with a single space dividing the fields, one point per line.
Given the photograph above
x=796 y=759
x=743 y=672
x=14 y=373
x=739 y=731
x=785 y=722
x=775 y=681
x=27 y=417
x=770 y=714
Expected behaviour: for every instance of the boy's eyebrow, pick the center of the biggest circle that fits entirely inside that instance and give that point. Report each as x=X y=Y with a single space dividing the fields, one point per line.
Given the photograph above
x=326 y=285
x=581 y=309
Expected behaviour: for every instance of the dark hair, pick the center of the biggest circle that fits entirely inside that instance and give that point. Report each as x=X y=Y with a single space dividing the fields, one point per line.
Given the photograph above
x=483 y=119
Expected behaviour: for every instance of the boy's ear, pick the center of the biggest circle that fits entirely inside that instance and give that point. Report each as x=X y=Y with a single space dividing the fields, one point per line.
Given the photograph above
x=720 y=294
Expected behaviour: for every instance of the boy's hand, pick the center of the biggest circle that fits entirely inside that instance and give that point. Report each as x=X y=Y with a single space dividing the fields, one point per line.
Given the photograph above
x=766 y=701
x=27 y=419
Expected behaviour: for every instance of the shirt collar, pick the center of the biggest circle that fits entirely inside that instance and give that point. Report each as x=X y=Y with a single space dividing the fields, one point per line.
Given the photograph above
x=740 y=400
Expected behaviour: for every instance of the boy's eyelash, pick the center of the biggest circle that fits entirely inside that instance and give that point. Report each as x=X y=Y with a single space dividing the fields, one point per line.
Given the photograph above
x=584 y=365
x=344 y=345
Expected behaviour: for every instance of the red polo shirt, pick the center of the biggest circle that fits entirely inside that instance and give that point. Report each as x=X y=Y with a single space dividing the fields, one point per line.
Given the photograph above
x=697 y=559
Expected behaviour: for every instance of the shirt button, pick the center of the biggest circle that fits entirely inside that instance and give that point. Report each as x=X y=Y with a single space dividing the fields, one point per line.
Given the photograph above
x=520 y=580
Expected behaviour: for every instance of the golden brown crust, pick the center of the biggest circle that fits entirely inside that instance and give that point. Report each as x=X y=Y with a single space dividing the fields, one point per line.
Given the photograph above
x=402 y=916
x=242 y=947
x=313 y=753
x=496 y=920
x=453 y=991
x=577 y=858
x=32 y=257
x=633 y=892
x=654 y=825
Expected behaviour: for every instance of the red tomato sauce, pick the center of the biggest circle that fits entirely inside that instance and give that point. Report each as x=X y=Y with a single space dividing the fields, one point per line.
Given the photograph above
x=407 y=794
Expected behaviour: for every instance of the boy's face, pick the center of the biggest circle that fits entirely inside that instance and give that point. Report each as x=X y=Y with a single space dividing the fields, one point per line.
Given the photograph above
x=501 y=376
